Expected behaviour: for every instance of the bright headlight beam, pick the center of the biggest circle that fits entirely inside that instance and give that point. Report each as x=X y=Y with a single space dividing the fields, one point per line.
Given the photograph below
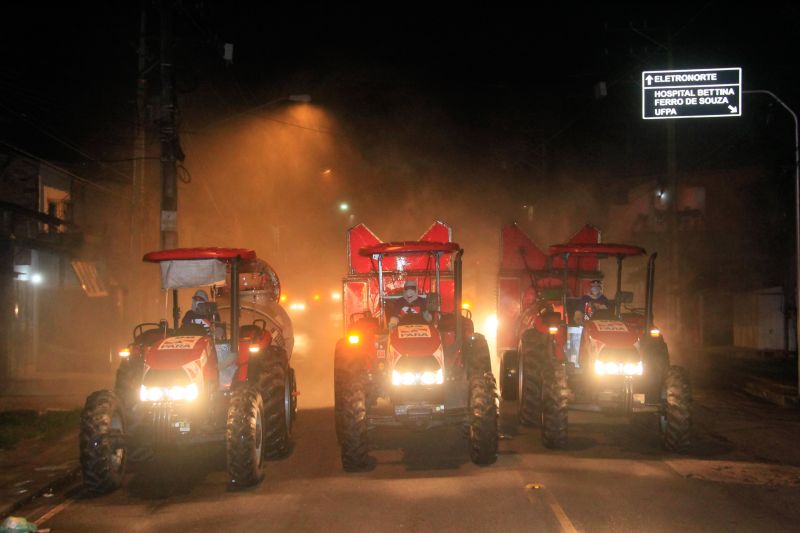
x=175 y=393
x=418 y=378
x=606 y=368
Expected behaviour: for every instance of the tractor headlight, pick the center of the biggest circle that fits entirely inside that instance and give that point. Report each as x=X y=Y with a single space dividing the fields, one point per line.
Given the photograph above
x=254 y=348
x=418 y=378
x=608 y=368
x=175 y=393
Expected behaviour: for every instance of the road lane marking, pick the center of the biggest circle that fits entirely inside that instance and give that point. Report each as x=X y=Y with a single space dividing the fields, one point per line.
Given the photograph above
x=563 y=520
x=54 y=511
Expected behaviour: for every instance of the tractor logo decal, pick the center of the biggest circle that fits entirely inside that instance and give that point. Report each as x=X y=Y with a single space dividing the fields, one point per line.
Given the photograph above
x=611 y=325
x=194 y=370
x=179 y=343
x=413 y=332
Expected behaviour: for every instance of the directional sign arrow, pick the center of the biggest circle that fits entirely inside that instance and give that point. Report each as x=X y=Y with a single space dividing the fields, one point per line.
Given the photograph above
x=733 y=108
x=649 y=80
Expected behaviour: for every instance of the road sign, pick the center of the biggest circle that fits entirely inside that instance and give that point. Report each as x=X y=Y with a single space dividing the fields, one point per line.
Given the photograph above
x=711 y=92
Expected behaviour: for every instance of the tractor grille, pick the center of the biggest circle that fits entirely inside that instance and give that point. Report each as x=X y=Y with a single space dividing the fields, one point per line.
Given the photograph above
x=161 y=423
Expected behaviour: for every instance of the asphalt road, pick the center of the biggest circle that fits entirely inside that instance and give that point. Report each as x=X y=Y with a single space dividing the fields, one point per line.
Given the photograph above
x=612 y=477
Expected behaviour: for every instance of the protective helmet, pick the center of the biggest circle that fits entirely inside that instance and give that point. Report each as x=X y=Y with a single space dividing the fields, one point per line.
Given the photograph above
x=199 y=296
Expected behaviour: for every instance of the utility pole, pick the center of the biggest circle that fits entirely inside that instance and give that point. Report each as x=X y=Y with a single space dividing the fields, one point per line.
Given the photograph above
x=138 y=185
x=674 y=298
x=168 y=133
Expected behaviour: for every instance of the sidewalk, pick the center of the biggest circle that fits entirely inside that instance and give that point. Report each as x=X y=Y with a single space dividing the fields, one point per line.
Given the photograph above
x=770 y=376
x=36 y=467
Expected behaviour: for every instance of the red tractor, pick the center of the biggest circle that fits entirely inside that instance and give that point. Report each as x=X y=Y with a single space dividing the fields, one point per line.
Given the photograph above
x=559 y=352
x=417 y=369
x=203 y=380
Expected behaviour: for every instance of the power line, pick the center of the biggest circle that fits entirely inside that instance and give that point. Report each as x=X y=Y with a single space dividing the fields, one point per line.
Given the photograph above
x=45 y=162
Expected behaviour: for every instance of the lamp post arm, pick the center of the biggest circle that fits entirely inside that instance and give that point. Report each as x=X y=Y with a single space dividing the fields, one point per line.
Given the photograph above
x=291 y=98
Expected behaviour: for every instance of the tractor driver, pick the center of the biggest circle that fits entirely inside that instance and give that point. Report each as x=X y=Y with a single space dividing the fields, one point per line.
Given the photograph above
x=409 y=304
x=195 y=315
x=595 y=300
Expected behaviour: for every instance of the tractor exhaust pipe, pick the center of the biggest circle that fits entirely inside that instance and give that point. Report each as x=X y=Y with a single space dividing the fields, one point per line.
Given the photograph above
x=648 y=304
x=235 y=306
x=459 y=318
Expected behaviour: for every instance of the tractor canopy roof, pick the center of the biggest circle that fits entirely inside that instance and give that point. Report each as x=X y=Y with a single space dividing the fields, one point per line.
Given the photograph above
x=408 y=248
x=188 y=254
x=195 y=267
x=596 y=249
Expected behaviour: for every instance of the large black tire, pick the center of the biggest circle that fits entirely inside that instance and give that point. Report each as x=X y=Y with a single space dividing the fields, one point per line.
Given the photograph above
x=293 y=381
x=275 y=386
x=245 y=436
x=351 y=413
x=509 y=375
x=478 y=358
x=129 y=380
x=533 y=355
x=676 y=418
x=555 y=408
x=483 y=419
x=102 y=442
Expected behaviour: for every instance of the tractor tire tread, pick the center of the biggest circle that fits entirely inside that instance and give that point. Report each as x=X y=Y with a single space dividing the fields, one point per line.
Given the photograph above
x=96 y=444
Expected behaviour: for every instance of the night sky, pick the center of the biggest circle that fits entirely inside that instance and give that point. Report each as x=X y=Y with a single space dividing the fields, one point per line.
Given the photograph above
x=465 y=98
x=493 y=81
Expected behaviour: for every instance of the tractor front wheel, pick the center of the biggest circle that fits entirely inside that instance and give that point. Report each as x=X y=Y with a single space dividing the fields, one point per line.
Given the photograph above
x=351 y=415
x=532 y=358
x=483 y=419
x=676 y=417
x=102 y=442
x=244 y=436
x=555 y=414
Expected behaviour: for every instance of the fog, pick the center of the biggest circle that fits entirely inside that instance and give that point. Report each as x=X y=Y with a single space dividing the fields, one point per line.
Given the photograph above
x=274 y=181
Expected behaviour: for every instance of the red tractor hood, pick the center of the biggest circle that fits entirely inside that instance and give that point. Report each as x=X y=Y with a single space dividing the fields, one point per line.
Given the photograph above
x=415 y=340
x=612 y=333
x=176 y=352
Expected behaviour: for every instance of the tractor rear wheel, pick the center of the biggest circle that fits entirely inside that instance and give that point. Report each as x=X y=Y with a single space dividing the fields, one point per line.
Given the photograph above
x=532 y=357
x=676 y=418
x=245 y=436
x=479 y=360
x=509 y=375
x=275 y=386
x=555 y=413
x=129 y=380
x=483 y=419
x=102 y=442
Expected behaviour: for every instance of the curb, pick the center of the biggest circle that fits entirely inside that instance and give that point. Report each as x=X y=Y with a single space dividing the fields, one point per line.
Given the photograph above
x=777 y=394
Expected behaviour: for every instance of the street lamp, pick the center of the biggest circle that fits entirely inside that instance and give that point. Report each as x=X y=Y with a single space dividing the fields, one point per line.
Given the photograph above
x=302 y=98
x=796 y=220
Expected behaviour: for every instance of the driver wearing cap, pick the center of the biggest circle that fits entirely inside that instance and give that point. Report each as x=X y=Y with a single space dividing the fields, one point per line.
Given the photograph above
x=591 y=302
x=410 y=303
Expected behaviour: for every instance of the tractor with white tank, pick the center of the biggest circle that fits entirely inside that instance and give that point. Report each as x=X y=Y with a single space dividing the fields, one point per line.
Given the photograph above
x=203 y=379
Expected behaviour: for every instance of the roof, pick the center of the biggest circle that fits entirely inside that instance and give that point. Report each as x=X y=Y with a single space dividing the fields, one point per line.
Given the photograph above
x=596 y=249
x=408 y=247
x=185 y=254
